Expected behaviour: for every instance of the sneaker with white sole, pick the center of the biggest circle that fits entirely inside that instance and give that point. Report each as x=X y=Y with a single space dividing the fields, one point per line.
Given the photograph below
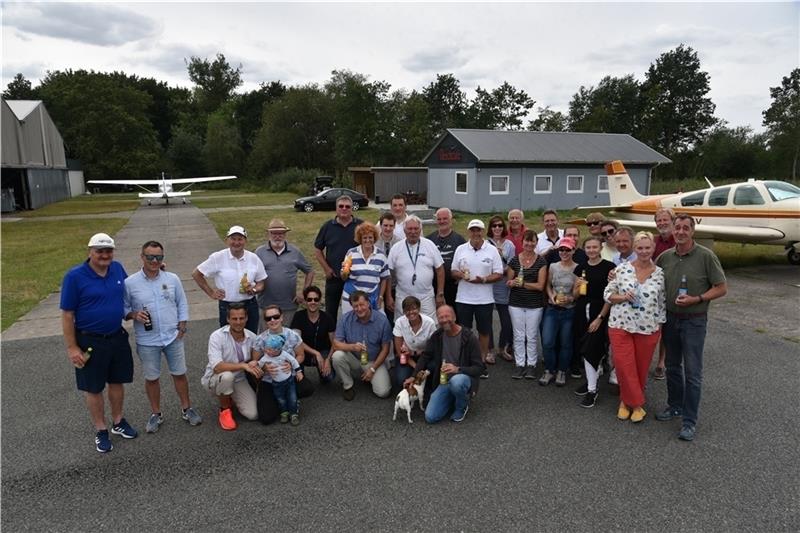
x=589 y=399
x=612 y=377
x=546 y=378
x=561 y=378
x=582 y=390
x=519 y=373
x=530 y=372
x=191 y=416
x=124 y=430
x=102 y=442
x=458 y=417
x=153 y=422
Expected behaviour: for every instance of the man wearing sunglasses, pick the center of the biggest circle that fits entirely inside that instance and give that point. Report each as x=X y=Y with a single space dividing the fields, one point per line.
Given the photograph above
x=92 y=309
x=155 y=297
x=334 y=239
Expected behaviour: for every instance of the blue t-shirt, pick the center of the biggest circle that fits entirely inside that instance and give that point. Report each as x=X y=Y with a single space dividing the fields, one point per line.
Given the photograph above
x=98 y=302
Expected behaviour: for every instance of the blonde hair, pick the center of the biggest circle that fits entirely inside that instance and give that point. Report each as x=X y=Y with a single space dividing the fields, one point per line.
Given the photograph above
x=642 y=235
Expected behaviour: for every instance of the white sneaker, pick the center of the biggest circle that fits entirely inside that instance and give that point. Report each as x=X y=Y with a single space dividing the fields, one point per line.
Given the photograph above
x=612 y=377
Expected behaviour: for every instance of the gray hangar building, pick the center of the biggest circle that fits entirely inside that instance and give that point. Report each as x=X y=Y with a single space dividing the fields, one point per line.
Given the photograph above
x=485 y=171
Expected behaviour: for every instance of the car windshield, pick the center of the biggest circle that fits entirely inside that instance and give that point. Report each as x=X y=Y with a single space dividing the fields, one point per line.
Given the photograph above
x=780 y=190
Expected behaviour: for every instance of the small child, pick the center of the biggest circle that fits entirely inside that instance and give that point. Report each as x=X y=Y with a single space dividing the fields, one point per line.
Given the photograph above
x=283 y=386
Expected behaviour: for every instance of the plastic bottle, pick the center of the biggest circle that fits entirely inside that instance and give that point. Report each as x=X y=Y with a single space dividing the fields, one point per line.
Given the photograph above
x=148 y=323
x=520 y=276
x=683 y=289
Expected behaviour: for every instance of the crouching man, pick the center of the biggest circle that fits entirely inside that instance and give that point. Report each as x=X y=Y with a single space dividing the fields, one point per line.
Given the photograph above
x=229 y=363
x=454 y=351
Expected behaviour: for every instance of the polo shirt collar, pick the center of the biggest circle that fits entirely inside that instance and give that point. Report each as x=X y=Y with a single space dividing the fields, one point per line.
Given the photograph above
x=690 y=252
x=231 y=256
x=283 y=251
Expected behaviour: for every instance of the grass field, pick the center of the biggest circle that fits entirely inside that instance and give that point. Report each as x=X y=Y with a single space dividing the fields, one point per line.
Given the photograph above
x=231 y=199
x=36 y=254
x=97 y=203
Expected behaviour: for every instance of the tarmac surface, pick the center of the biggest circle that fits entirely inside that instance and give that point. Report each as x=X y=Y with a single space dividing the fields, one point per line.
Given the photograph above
x=525 y=458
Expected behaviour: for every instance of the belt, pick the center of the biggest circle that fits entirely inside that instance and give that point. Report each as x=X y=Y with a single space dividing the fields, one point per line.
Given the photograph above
x=686 y=316
x=102 y=335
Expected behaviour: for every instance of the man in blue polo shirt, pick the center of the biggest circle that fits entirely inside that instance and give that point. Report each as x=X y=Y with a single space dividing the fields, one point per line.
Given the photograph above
x=155 y=300
x=92 y=310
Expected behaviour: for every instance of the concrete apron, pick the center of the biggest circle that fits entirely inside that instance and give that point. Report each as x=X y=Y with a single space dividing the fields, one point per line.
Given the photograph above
x=188 y=238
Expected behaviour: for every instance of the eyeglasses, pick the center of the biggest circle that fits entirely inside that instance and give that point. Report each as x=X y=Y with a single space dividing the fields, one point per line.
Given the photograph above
x=497 y=225
x=590 y=224
x=344 y=206
x=564 y=250
x=607 y=232
x=312 y=299
x=152 y=257
x=272 y=317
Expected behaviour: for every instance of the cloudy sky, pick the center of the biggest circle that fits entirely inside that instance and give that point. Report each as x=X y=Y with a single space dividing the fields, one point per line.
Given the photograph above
x=547 y=49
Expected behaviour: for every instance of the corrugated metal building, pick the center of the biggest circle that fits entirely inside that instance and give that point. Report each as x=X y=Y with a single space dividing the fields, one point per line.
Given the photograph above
x=34 y=164
x=381 y=183
x=483 y=171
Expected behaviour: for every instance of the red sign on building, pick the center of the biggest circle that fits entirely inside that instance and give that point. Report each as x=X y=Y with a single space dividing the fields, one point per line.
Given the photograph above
x=452 y=154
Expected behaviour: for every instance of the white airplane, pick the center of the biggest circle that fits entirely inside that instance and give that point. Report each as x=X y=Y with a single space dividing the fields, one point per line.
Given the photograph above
x=751 y=212
x=164 y=184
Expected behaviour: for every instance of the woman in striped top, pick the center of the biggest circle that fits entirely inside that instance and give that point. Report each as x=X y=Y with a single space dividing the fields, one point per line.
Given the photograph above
x=367 y=271
x=525 y=304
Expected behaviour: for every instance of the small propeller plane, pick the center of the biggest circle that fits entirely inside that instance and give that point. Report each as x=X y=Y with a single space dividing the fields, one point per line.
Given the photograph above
x=751 y=212
x=165 y=186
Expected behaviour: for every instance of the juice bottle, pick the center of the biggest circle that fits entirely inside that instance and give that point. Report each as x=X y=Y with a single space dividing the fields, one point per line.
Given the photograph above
x=584 y=284
x=364 y=354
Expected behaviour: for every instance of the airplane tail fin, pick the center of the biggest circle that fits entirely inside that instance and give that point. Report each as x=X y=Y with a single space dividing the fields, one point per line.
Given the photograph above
x=621 y=190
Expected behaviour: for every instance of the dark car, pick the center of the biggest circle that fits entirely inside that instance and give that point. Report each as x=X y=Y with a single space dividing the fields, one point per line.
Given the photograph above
x=327 y=200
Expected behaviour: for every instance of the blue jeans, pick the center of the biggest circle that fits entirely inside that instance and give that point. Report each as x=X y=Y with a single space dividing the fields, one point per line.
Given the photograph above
x=557 y=338
x=453 y=396
x=285 y=394
x=684 y=340
x=252 y=314
x=151 y=359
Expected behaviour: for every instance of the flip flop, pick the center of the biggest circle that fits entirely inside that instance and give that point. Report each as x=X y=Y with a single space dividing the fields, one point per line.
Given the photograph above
x=505 y=355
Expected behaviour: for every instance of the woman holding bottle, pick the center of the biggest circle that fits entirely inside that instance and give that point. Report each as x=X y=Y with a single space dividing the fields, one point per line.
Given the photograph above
x=557 y=326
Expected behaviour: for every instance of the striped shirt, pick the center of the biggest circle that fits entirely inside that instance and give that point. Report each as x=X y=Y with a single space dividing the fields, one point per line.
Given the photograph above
x=365 y=275
x=527 y=298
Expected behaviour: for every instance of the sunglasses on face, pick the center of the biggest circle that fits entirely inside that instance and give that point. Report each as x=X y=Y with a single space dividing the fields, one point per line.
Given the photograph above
x=607 y=232
x=152 y=257
x=564 y=250
x=269 y=318
x=497 y=225
x=312 y=299
x=345 y=206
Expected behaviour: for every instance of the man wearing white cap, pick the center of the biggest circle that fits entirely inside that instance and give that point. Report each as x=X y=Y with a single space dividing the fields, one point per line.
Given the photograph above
x=92 y=310
x=476 y=265
x=281 y=261
x=238 y=275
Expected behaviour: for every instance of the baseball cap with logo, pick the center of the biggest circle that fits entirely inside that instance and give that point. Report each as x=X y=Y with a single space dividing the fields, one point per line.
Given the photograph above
x=237 y=229
x=101 y=240
x=476 y=223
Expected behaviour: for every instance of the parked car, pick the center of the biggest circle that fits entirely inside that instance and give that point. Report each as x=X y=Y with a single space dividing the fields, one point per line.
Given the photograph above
x=327 y=200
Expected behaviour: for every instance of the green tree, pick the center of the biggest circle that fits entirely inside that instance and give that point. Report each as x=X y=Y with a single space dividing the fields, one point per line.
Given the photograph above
x=676 y=109
x=104 y=122
x=250 y=107
x=447 y=103
x=731 y=154
x=549 y=120
x=223 y=153
x=782 y=120
x=19 y=89
x=412 y=133
x=296 y=131
x=505 y=108
x=185 y=153
x=215 y=81
x=614 y=106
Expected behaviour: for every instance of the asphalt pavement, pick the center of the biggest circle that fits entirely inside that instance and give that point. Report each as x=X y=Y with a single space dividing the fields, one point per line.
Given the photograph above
x=526 y=458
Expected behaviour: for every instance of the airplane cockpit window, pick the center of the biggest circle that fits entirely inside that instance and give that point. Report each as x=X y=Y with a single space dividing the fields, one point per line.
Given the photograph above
x=780 y=190
x=747 y=195
x=693 y=199
x=719 y=196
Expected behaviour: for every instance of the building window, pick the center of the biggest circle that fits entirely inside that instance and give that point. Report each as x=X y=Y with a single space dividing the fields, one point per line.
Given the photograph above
x=574 y=184
x=542 y=184
x=498 y=184
x=602 y=183
x=461 y=183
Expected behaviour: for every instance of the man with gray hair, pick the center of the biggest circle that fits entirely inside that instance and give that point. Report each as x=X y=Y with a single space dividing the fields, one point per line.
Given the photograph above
x=516 y=229
x=447 y=240
x=414 y=261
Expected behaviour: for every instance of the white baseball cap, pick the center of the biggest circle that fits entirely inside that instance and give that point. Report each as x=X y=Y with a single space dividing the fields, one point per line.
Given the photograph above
x=476 y=223
x=237 y=229
x=101 y=240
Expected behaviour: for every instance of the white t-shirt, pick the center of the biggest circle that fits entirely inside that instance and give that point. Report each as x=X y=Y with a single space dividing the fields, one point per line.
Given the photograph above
x=415 y=341
x=544 y=243
x=415 y=280
x=481 y=262
x=227 y=272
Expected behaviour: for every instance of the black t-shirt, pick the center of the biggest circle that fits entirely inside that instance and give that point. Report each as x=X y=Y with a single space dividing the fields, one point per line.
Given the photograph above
x=314 y=334
x=335 y=240
x=597 y=276
x=447 y=247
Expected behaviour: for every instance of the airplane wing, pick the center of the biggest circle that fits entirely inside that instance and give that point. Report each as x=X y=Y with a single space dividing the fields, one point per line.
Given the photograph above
x=199 y=180
x=751 y=234
x=126 y=182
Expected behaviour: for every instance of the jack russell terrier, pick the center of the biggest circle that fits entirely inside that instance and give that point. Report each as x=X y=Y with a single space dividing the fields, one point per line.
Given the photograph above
x=411 y=393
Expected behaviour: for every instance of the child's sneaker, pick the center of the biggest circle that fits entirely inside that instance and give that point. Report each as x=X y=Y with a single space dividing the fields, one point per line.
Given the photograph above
x=295 y=420
x=284 y=417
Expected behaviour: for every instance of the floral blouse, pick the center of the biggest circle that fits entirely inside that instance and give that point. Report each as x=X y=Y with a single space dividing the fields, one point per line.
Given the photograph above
x=648 y=312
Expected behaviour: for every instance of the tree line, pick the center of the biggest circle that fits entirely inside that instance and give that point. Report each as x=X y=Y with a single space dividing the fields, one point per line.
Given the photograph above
x=123 y=126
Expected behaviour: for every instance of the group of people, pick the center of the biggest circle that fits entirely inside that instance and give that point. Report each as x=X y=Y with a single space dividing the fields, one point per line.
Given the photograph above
x=397 y=303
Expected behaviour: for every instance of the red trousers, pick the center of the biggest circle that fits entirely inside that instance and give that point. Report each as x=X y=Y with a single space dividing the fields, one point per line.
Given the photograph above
x=632 y=355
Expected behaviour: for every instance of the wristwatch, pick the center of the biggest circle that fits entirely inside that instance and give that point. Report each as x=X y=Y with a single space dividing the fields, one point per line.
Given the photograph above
x=373 y=369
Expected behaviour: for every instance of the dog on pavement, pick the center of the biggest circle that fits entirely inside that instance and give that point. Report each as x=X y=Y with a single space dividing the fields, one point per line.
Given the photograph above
x=414 y=392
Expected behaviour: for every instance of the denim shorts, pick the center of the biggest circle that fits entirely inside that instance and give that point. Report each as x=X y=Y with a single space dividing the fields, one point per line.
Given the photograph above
x=151 y=359
x=110 y=361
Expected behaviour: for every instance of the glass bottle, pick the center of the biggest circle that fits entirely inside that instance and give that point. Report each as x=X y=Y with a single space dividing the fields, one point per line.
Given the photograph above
x=584 y=284
x=148 y=323
x=364 y=354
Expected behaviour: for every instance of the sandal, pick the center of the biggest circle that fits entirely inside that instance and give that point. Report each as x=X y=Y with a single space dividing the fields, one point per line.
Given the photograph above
x=505 y=355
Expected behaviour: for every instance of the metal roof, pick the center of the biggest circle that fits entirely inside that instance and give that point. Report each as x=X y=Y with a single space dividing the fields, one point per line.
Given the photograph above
x=494 y=146
x=22 y=108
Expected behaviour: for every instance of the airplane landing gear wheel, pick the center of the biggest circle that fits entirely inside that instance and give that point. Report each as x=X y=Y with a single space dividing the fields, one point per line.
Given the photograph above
x=793 y=256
